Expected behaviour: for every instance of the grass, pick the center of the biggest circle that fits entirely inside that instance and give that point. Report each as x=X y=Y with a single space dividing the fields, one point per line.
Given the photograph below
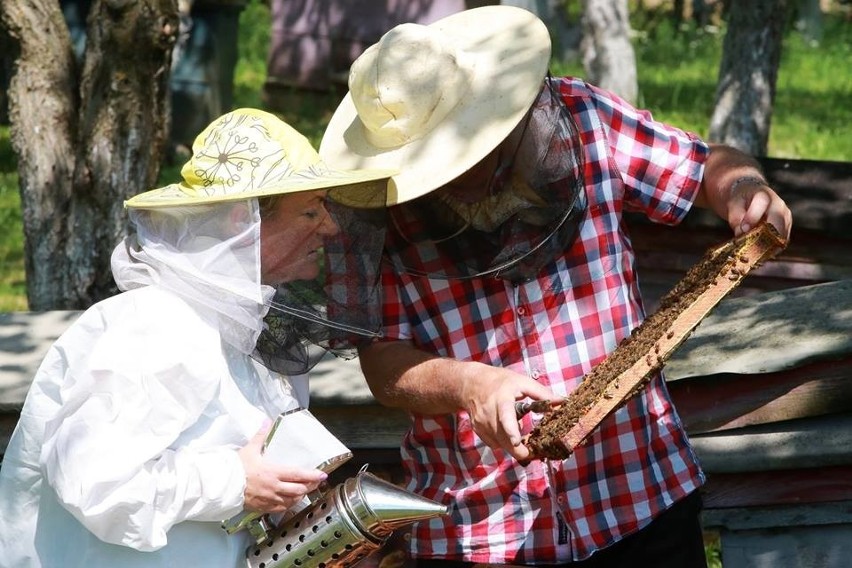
x=13 y=295
x=678 y=71
x=677 y=77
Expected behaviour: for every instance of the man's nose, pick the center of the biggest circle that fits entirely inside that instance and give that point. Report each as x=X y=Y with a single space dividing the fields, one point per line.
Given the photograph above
x=328 y=226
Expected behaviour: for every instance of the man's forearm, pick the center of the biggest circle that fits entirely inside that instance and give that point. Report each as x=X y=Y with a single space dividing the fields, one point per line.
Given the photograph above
x=402 y=376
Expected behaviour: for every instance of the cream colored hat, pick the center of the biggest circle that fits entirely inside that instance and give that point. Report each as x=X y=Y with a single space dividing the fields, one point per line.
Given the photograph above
x=432 y=101
x=250 y=153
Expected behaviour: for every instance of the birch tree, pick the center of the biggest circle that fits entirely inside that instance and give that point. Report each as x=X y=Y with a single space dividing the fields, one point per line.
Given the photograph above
x=745 y=92
x=609 y=60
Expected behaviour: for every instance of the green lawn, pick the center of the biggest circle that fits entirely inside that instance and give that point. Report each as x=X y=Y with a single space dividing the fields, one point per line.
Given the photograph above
x=677 y=77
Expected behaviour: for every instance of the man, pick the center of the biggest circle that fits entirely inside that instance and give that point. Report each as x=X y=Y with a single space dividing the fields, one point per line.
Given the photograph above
x=143 y=428
x=510 y=274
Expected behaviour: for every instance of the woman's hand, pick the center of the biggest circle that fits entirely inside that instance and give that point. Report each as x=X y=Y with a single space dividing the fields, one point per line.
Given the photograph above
x=273 y=488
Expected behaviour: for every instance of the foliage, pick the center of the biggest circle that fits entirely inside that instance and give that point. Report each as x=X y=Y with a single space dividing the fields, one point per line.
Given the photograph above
x=252 y=47
x=677 y=68
x=12 y=279
x=713 y=549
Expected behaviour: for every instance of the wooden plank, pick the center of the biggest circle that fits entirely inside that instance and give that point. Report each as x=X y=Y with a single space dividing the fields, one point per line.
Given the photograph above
x=823 y=441
x=751 y=518
x=769 y=332
x=784 y=487
x=365 y=426
x=798 y=271
x=724 y=402
x=819 y=192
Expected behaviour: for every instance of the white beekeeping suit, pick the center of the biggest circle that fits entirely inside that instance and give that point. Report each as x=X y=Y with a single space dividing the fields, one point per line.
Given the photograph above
x=126 y=449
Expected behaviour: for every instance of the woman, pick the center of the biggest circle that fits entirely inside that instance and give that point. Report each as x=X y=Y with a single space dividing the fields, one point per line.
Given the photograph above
x=143 y=428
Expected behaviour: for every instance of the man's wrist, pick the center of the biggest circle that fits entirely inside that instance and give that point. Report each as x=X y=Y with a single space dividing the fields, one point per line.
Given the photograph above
x=750 y=179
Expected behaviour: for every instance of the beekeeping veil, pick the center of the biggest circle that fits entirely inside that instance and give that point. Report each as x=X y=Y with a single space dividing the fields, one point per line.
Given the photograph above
x=201 y=239
x=437 y=101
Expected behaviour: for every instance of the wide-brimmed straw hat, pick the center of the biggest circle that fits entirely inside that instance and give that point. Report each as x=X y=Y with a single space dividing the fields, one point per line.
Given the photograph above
x=249 y=153
x=432 y=101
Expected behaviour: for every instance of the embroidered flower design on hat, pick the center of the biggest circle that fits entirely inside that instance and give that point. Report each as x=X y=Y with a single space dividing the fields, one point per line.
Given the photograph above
x=219 y=165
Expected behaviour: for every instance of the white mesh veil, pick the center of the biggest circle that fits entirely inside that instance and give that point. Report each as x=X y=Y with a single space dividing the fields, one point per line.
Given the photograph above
x=339 y=309
x=210 y=256
x=207 y=255
x=528 y=214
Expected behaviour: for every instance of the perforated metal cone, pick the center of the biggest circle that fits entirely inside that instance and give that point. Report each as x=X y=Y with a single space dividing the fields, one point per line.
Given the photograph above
x=380 y=507
x=343 y=527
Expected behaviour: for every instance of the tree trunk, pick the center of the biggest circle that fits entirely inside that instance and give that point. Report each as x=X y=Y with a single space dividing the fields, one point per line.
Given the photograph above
x=85 y=140
x=746 y=89
x=809 y=21
x=564 y=33
x=608 y=57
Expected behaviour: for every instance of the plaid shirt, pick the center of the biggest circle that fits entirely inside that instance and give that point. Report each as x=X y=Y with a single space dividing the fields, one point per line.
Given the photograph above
x=555 y=328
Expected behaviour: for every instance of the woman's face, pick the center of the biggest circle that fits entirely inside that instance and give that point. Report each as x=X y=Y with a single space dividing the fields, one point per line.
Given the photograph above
x=291 y=236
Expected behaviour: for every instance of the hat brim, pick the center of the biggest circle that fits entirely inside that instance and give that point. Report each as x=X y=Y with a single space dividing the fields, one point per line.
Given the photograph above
x=353 y=188
x=511 y=47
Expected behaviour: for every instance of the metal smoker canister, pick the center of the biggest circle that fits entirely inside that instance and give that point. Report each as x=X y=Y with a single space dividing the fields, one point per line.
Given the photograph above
x=343 y=526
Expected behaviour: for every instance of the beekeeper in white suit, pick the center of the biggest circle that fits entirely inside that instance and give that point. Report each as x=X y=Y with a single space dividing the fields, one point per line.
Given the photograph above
x=142 y=430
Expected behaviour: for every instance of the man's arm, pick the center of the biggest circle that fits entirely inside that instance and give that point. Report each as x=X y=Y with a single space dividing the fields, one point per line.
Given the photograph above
x=402 y=376
x=734 y=187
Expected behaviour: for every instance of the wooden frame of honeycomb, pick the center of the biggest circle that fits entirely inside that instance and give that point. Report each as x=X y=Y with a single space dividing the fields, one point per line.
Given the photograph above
x=627 y=369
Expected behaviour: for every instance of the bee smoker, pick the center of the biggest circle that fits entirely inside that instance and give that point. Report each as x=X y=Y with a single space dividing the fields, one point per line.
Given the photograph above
x=343 y=526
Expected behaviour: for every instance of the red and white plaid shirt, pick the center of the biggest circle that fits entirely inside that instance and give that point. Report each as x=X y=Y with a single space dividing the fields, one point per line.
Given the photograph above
x=555 y=328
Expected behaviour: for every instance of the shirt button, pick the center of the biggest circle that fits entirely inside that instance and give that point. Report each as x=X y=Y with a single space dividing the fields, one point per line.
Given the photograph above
x=522 y=311
x=560 y=500
x=535 y=374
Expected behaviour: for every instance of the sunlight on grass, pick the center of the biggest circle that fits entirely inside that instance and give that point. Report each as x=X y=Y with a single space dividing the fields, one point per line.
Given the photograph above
x=13 y=292
x=252 y=47
x=812 y=109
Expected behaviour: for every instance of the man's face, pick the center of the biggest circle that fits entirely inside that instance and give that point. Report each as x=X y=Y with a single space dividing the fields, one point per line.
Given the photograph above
x=292 y=235
x=474 y=185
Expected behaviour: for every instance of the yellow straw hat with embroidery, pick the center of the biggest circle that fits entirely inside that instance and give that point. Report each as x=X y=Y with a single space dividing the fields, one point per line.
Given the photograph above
x=432 y=101
x=249 y=153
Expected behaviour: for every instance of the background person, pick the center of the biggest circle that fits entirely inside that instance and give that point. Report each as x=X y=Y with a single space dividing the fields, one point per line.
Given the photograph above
x=510 y=274
x=142 y=430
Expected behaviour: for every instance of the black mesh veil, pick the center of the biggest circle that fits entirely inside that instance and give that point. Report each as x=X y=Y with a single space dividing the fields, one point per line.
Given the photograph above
x=526 y=216
x=337 y=310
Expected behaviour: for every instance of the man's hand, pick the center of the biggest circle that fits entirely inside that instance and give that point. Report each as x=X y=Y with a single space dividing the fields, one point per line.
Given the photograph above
x=751 y=200
x=489 y=396
x=402 y=376
x=734 y=187
x=272 y=488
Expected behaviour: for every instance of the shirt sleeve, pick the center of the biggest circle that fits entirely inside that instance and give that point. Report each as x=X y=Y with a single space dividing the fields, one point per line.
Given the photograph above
x=110 y=452
x=395 y=324
x=661 y=165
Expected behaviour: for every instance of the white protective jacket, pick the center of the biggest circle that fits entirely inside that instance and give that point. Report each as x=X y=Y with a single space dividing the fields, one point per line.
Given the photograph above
x=125 y=452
